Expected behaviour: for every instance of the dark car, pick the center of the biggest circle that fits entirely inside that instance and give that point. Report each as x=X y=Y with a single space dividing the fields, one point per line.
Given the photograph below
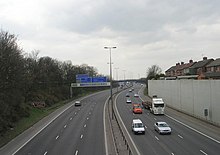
x=77 y=103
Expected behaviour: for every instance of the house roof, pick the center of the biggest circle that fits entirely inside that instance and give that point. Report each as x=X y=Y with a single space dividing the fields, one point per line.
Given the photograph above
x=180 y=66
x=170 y=69
x=214 y=63
x=201 y=63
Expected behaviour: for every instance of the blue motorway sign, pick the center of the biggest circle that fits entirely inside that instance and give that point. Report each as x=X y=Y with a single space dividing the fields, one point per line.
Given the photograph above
x=84 y=78
x=99 y=79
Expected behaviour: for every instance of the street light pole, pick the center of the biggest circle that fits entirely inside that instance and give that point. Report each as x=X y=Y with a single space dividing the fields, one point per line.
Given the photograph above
x=117 y=76
x=110 y=75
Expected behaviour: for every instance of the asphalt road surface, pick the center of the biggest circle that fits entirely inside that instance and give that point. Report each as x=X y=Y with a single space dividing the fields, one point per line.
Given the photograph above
x=182 y=141
x=79 y=130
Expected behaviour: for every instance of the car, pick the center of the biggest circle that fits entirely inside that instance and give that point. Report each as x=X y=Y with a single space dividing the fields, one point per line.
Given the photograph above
x=78 y=103
x=136 y=95
x=162 y=128
x=128 y=100
x=137 y=126
x=137 y=109
x=130 y=90
x=127 y=95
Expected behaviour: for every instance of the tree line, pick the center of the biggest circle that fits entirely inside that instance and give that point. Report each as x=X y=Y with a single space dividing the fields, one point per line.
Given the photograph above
x=25 y=78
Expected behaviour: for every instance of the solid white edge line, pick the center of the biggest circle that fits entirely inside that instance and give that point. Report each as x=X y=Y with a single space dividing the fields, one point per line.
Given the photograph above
x=105 y=136
x=193 y=129
x=135 y=147
x=51 y=122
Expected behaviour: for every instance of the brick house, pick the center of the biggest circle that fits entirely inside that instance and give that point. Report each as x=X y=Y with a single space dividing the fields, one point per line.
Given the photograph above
x=179 y=70
x=213 y=70
x=199 y=68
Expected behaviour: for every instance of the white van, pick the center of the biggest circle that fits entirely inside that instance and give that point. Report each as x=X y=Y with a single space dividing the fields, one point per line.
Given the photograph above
x=137 y=126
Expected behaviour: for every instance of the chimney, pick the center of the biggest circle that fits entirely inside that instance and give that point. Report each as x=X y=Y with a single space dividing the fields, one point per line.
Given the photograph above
x=177 y=64
x=182 y=63
x=205 y=58
x=191 y=61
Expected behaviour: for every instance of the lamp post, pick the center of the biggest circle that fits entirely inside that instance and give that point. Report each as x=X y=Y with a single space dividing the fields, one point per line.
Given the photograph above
x=110 y=63
x=117 y=76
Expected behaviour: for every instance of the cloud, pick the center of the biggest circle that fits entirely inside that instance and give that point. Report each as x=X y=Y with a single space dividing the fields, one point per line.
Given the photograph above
x=146 y=32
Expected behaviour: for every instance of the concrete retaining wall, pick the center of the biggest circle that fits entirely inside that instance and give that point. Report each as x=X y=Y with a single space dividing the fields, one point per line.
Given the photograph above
x=190 y=96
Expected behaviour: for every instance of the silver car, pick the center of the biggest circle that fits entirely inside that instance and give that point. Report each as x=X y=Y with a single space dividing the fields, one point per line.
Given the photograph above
x=162 y=128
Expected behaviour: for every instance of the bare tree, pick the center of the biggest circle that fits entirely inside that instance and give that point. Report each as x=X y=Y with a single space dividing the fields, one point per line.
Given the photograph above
x=153 y=72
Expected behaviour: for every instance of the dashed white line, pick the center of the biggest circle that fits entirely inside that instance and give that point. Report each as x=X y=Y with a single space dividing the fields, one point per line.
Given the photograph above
x=146 y=127
x=84 y=125
x=203 y=152
x=172 y=153
x=89 y=113
x=57 y=137
x=155 y=119
x=71 y=118
x=81 y=136
x=45 y=153
x=64 y=126
x=156 y=138
x=87 y=118
x=180 y=136
x=193 y=129
x=76 y=152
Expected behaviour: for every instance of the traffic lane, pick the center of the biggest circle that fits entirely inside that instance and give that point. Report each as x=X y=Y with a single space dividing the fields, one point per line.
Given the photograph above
x=69 y=140
x=172 y=143
x=191 y=141
x=45 y=139
x=86 y=141
x=145 y=143
x=93 y=137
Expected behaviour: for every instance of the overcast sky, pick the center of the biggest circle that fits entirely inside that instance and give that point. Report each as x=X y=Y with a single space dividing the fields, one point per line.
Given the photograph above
x=145 y=32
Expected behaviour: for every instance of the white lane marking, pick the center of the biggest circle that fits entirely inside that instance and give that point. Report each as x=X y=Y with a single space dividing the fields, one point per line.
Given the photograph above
x=89 y=113
x=87 y=118
x=172 y=153
x=81 y=136
x=116 y=109
x=48 y=123
x=203 y=152
x=193 y=129
x=84 y=125
x=180 y=136
x=45 y=153
x=146 y=127
x=57 y=137
x=156 y=138
x=155 y=119
x=64 y=126
x=105 y=131
x=75 y=113
x=71 y=118
x=76 y=152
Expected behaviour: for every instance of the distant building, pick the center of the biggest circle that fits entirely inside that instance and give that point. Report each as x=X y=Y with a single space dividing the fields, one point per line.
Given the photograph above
x=204 y=69
x=199 y=68
x=213 y=70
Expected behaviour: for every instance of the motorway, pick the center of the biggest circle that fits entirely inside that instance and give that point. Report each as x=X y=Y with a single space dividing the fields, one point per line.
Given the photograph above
x=78 y=130
x=182 y=141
